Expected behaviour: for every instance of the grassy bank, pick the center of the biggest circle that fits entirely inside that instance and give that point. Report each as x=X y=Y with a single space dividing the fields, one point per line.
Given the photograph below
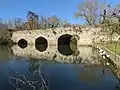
x=111 y=47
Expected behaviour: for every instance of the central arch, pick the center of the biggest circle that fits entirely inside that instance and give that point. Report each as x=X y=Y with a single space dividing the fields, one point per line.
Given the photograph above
x=64 y=39
x=64 y=44
x=41 y=44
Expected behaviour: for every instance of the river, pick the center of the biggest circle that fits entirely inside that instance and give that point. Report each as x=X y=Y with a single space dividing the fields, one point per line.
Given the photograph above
x=53 y=69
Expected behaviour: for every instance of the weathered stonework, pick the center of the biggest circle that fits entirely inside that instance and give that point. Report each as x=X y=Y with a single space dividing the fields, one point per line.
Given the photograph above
x=84 y=38
x=87 y=56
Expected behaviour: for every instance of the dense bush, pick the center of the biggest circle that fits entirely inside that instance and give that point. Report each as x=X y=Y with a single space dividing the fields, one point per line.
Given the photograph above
x=5 y=37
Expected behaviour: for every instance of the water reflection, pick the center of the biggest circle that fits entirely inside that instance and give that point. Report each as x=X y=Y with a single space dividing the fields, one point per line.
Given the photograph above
x=87 y=75
x=82 y=55
x=65 y=50
x=71 y=76
x=41 y=47
x=5 y=52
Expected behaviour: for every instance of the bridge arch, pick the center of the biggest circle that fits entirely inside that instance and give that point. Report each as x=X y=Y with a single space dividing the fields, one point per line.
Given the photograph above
x=65 y=44
x=22 y=43
x=64 y=39
x=41 y=44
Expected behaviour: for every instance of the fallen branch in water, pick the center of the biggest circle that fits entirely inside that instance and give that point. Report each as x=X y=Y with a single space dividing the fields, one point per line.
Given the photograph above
x=22 y=82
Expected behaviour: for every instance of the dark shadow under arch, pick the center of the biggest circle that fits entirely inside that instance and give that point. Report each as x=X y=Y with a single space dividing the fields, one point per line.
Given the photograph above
x=22 y=43
x=41 y=44
x=64 y=39
x=64 y=44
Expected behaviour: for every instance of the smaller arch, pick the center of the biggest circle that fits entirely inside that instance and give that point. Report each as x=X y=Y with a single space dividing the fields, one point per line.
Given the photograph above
x=22 y=43
x=41 y=44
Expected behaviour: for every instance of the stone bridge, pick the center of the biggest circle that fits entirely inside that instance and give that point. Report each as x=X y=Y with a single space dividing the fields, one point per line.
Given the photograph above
x=59 y=35
x=52 y=41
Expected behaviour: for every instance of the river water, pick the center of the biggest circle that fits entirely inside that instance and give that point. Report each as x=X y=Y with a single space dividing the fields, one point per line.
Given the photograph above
x=30 y=69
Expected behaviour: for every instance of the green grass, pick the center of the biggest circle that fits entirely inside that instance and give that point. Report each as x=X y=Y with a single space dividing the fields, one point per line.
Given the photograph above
x=111 y=47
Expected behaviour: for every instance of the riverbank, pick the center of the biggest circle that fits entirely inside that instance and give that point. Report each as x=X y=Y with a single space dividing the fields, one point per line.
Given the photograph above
x=114 y=59
x=113 y=46
x=109 y=49
x=5 y=37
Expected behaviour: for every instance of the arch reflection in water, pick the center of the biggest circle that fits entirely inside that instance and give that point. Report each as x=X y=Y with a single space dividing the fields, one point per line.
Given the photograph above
x=22 y=43
x=65 y=44
x=84 y=54
x=41 y=44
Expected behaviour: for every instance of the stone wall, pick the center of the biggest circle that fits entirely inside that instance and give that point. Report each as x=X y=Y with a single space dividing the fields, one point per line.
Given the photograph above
x=84 y=38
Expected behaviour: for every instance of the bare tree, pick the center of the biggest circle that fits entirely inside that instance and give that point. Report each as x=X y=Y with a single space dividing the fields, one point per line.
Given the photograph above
x=111 y=21
x=17 y=23
x=32 y=21
x=90 y=11
x=43 y=22
x=4 y=33
x=53 y=21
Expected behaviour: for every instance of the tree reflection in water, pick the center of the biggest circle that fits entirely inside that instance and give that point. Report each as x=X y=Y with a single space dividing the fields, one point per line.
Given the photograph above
x=6 y=53
x=21 y=82
x=90 y=74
